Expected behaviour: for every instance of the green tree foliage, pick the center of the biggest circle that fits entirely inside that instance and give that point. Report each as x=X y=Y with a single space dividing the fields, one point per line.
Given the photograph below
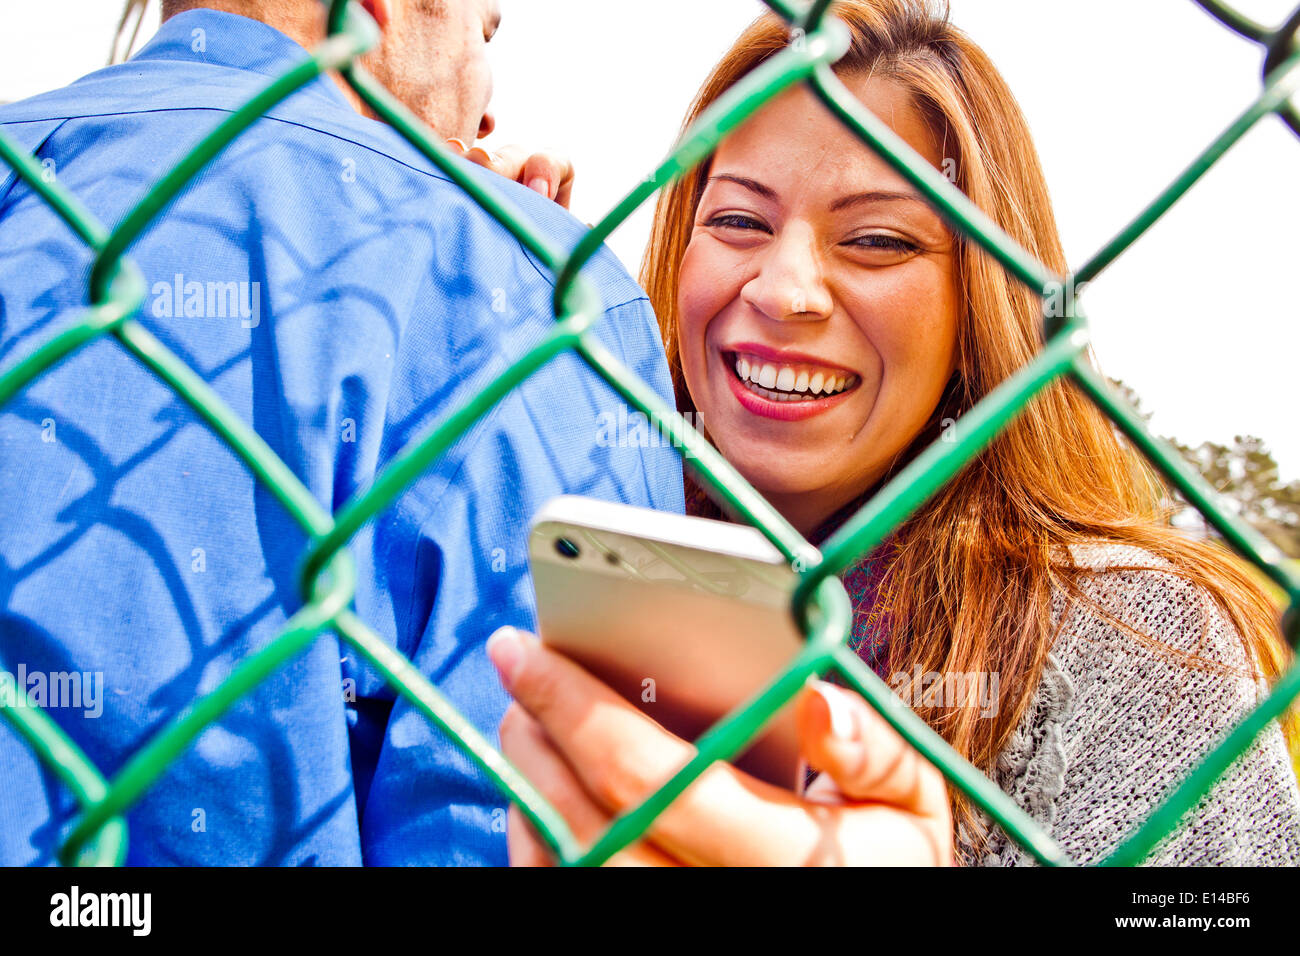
x=1246 y=475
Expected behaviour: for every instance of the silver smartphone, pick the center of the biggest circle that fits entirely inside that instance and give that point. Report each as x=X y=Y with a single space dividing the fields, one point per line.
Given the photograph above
x=684 y=617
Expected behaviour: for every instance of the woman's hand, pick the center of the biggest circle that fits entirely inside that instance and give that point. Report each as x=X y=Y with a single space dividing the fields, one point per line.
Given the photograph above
x=593 y=755
x=546 y=172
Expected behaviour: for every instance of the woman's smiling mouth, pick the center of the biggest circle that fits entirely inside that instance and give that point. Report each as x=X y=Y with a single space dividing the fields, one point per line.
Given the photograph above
x=784 y=386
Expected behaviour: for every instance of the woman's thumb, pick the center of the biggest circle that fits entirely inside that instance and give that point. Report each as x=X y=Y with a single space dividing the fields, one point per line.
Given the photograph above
x=854 y=747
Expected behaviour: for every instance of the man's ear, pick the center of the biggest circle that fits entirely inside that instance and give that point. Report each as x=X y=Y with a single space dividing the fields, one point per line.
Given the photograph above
x=380 y=10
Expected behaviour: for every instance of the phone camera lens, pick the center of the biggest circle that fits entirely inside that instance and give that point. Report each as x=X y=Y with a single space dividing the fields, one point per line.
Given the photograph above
x=566 y=547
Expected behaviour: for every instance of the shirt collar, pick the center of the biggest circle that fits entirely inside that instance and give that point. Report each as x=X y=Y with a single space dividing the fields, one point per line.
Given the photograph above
x=227 y=39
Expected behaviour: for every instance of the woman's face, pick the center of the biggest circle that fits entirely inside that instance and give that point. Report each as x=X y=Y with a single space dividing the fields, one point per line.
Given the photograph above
x=817 y=302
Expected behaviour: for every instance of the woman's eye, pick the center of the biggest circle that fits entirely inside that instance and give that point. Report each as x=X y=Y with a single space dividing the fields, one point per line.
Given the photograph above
x=883 y=243
x=736 y=221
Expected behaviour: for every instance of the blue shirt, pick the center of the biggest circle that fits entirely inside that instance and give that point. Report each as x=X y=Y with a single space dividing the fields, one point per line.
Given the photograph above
x=342 y=296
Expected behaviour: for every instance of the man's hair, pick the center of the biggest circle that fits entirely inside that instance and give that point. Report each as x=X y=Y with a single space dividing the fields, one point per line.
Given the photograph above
x=172 y=7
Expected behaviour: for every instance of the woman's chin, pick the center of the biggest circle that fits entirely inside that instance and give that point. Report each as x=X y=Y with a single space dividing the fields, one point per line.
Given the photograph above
x=778 y=467
x=776 y=483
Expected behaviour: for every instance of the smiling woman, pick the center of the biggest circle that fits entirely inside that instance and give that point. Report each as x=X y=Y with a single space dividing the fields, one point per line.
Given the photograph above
x=826 y=325
x=810 y=256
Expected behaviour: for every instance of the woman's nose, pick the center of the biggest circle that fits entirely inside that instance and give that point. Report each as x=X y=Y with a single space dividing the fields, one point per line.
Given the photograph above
x=790 y=283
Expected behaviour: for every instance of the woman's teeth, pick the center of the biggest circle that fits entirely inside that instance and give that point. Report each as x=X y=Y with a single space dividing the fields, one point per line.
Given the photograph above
x=785 y=383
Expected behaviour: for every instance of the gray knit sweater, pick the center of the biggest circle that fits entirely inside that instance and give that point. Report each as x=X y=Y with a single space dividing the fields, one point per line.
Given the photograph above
x=1115 y=725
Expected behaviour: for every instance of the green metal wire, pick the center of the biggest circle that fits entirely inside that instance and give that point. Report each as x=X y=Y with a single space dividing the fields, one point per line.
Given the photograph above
x=1235 y=20
x=116 y=292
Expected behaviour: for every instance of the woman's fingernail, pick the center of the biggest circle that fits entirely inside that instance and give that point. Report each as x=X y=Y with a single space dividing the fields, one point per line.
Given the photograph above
x=504 y=648
x=844 y=725
x=540 y=185
x=458 y=144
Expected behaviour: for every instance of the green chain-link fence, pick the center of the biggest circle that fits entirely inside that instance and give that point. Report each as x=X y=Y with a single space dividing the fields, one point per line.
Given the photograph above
x=821 y=604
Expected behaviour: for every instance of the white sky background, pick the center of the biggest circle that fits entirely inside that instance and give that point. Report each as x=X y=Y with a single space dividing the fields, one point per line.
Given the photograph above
x=1200 y=317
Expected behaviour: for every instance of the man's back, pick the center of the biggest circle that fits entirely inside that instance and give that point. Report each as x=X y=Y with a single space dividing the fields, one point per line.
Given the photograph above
x=341 y=296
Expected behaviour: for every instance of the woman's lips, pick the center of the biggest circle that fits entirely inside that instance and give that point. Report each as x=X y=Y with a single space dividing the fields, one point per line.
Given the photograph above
x=751 y=397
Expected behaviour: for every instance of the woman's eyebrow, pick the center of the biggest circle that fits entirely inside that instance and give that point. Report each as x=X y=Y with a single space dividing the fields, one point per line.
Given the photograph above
x=751 y=184
x=875 y=196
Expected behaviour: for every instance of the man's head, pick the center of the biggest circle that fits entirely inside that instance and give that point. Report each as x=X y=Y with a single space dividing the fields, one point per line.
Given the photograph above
x=433 y=56
x=434 y=59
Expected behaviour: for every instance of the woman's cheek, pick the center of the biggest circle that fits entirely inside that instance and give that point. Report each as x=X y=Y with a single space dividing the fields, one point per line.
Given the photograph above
x=914 y=329
x=697 y=302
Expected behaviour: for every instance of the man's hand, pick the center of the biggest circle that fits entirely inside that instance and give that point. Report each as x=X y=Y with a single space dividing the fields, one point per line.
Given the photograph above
x=593 y=755
x=546 y=172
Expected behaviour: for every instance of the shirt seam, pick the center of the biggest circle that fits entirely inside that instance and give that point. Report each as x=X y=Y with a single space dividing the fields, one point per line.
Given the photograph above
x=432 y=174
x=546 y=274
